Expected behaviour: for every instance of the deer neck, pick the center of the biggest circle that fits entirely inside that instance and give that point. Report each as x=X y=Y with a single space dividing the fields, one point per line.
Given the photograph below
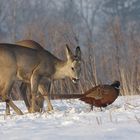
x=61 y=70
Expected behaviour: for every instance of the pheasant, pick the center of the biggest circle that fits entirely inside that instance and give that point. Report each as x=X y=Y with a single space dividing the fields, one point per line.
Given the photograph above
x=99 y=96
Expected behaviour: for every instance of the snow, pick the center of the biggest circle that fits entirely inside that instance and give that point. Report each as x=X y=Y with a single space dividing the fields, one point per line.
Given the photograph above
x=72 y=120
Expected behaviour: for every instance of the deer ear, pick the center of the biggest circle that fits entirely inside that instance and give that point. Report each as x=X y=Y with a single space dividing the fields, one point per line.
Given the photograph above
x=78 y=52
x=69 y=53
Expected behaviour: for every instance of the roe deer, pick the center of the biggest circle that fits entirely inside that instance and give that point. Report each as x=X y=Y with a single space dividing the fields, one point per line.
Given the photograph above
x=30 y=66
x=99 y=96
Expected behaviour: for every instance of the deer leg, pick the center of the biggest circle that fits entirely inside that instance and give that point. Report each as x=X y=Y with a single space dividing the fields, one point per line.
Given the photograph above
x=15 y=108
x=10 y=103
x=7 y=111
x=35 y=79
x=50 y=107
x=44 y=93
x=32 y=110
x=91 y=107
x=101 y=109
x=39 y=103
x=38 y=99
x=23 y=89
x=6 y=91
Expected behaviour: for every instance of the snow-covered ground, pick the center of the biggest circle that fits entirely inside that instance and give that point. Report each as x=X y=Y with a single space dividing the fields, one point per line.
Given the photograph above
x=71 y=120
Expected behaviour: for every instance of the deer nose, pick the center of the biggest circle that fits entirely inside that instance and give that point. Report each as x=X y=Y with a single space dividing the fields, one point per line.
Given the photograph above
x=75 y=80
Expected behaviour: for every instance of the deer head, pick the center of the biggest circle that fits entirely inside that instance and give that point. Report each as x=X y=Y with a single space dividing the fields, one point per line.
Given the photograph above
x=73 y=64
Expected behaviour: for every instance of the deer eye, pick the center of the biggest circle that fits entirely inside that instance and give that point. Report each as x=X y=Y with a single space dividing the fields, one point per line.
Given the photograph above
x=72 y=68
